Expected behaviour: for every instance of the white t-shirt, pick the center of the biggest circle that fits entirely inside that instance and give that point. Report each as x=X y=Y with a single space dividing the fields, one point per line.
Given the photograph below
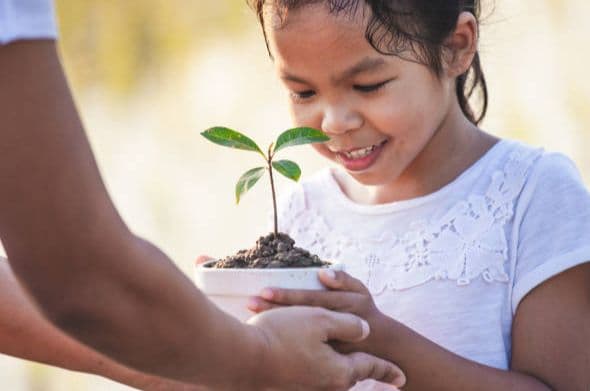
x=27 y=19
x=454 y=265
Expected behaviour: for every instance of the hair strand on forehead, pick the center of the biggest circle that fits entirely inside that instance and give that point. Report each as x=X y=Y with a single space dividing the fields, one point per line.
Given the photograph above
x=402 y=27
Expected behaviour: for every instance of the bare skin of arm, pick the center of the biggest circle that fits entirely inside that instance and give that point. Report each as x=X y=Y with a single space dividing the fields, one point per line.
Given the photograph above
x=118 y=294
x=26 y=334
x=551 y=331
x=550 y=337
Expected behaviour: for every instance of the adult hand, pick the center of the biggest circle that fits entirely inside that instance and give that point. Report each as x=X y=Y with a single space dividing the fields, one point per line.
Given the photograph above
x=304 y=335
x=344 y=294
x=299 y=356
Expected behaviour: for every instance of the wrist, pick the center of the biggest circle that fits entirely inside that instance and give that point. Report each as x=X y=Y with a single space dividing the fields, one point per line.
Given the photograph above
x=260 y=372
x=385 y=333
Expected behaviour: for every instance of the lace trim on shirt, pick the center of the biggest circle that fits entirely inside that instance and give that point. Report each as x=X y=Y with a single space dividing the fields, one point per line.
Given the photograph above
x=468 y=242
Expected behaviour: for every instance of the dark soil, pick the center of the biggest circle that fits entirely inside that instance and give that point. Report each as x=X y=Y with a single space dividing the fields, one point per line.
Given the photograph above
x=271 y=251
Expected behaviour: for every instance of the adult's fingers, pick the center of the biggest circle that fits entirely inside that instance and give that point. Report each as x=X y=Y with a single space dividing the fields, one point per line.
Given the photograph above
x=341 y=281
x=364 y=366
x=345 y=327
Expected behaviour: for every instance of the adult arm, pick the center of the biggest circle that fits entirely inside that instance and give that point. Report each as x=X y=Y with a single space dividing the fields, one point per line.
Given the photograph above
x=115 y=292
x=70 y=249
x=26 y=334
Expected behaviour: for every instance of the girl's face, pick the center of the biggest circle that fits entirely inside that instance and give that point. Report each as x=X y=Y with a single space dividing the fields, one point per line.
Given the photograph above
x=380 y=111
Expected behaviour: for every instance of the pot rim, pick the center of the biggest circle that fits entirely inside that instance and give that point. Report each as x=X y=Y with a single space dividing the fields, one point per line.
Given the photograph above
x=202 y=268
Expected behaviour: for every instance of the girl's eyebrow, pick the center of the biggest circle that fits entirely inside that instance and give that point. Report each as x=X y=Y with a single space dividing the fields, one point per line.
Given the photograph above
x=367 y=64
x=296 y=79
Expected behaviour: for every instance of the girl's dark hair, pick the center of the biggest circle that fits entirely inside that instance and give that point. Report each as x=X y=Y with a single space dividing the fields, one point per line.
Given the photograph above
x=398 y=27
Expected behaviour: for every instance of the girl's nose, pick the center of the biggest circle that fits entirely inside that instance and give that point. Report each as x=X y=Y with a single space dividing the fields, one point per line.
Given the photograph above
x=339 y=120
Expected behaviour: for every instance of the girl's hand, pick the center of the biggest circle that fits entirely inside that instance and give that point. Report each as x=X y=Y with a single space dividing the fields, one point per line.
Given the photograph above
x=345 y=294
x=202 y=259
x=296 y=331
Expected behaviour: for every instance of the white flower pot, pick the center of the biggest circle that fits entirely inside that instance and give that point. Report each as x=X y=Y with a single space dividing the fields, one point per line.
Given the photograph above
x=230 y=289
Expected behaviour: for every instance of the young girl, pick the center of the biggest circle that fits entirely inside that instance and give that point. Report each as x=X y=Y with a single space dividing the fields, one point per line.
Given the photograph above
x=72 y=269
x=469 y=253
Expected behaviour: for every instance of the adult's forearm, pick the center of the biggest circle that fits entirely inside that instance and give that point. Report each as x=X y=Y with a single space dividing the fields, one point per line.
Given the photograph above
x=428 y=366
x=149 y=316
x=26 y=334
x=73 y=253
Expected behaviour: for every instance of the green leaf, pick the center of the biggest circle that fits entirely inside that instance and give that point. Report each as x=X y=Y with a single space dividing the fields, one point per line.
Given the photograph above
x=299 y=136
x=288 y=168
x=230 y=138
x=247 y=181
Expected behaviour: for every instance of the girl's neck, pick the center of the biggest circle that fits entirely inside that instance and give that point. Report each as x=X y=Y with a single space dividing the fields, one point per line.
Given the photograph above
x=455 y=146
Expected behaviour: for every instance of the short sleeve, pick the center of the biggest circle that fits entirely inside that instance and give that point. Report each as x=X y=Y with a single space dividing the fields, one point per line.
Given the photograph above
x=27 y=19
x=554 y=217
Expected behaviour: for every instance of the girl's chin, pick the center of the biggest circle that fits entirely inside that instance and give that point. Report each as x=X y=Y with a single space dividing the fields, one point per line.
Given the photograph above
x=367 y=179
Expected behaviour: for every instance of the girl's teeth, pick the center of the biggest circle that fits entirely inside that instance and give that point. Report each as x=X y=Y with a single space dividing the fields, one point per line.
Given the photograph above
x=359 y=153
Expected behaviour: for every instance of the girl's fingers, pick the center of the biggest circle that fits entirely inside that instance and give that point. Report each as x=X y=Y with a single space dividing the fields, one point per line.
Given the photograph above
x=333 y=300
x=257 y=305
x=342 y=281
x=202 y=259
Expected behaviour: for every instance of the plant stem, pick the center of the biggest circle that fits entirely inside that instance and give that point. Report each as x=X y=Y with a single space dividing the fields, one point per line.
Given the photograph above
x=272 y=186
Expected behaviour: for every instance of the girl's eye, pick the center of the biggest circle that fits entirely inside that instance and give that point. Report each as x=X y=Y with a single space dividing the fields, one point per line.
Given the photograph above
x=302 y=95
x=370 y=87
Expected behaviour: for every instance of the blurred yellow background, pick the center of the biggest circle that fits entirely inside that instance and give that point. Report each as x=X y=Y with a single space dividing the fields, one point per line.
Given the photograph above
x=149 y=75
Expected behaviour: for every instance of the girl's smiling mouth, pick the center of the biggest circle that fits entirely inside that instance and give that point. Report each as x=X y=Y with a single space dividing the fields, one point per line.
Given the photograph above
x=361 y=158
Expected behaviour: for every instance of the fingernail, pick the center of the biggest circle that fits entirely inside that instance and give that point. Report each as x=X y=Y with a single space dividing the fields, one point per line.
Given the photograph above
x=267 y=294
x=252 y=304
x=366 y=329
x=328 y=273
x=399 y=381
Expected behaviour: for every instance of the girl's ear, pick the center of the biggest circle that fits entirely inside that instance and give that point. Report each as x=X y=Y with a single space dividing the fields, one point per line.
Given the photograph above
x=461 y=45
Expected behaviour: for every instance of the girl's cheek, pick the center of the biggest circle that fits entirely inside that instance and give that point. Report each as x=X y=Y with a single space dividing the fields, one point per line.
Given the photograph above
x=323 y=150
x=305 y=115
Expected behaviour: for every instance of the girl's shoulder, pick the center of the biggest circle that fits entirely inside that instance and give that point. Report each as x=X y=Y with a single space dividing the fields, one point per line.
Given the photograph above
x=551 y=223
x=513 y=171
x=506 y=176
x=538 y=159
x=554 y=169
x=545 y=175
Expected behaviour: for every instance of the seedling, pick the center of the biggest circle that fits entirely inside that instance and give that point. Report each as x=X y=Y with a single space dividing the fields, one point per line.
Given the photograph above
x=291 y=137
